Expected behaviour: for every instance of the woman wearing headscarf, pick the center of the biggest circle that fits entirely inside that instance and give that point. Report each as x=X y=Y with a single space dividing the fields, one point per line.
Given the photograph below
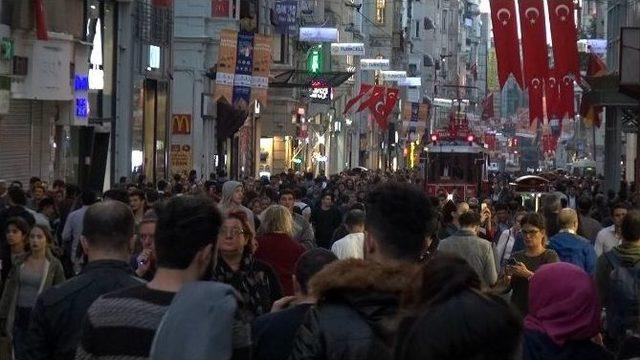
x=564 y=316
x=231 y=201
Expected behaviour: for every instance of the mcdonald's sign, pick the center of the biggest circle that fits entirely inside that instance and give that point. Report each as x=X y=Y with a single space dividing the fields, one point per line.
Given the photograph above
x=181 y=124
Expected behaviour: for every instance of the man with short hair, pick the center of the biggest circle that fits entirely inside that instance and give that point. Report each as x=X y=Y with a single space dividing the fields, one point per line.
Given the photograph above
x=272 y=333
x=478 y=252
x=57 y=317
x=122 y=324
x=144 y=262
x=588 y=226
x=610 y=237
x=302 y=230
x=357 y=297
x=617 y=278
x=72 y=232
x=572 y=248
x=352 y=245
x=138 y=204
x=4 y=201
x=551 y=206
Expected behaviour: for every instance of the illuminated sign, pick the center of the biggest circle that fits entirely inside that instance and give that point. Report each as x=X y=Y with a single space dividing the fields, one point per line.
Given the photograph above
x=181 y=124
x=320 y=92
x=81 y=99
x=154 y=57
x=410 y=81
x=374 y=64
x=315 y=34
x=393 y=75
x=314 y=60
x=356 y=49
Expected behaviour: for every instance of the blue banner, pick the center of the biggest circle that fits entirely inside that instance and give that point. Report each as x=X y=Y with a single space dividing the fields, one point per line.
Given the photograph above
x=244 y=70
x=286 y=16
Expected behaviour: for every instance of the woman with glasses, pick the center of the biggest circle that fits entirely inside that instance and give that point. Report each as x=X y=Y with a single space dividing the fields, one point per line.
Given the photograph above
x=523 y=264
x=256 y=282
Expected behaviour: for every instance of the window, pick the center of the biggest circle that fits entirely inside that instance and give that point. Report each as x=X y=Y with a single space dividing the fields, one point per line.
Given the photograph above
x=280 y=49
x=444 y=20
x=380 y=6
x=418 y=29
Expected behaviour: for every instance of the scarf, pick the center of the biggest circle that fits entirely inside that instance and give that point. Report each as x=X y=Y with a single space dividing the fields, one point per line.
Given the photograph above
x=563 y=303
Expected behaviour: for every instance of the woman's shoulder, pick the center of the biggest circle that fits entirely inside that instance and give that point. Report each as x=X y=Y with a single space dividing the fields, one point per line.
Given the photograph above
x=550 y=255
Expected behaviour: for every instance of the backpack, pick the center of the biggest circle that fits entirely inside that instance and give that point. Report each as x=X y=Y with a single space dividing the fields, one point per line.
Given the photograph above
x=624 y=292
x=198 y=324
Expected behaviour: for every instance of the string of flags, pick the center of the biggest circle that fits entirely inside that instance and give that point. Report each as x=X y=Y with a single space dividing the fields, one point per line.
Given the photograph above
x=379 y=100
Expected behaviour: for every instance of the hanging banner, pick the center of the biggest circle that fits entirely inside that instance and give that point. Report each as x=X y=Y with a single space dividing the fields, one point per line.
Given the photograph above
x=244 y=69
x=566 y=105
x=552 y=96
x=565 y=37
x=415 y=112
x=261 y=68
x=286 y=16
x=505 y=35
x=220 y=8
x=181 y=158
x=226 y=65
x=374 y=64
x=364 y=89
x=536 y=100
x=534 y=43
x=354 y=49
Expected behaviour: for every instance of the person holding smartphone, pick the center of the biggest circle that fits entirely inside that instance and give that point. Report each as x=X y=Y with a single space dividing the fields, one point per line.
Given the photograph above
x=523 y=264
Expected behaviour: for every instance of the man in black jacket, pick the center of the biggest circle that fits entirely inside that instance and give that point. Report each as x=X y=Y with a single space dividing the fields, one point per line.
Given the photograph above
x=57 y=317
x=358 y=300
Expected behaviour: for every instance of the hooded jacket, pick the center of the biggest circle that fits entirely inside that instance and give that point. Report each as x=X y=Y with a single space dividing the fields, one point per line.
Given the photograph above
x=629 y=255
x=356 y=315
x=574 y=249
x=226 y=206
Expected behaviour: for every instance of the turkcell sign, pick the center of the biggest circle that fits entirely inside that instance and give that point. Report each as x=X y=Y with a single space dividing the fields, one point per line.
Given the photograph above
x=374 y=64
x=315 y=34
x=393 y=75
x=355 y=49
x=410 y=81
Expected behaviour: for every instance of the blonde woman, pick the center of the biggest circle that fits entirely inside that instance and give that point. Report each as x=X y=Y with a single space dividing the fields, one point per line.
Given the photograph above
x=276 y=246
x=37 y=271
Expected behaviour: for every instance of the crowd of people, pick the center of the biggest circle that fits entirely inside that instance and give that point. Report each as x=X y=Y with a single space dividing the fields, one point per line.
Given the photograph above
x=360 y=265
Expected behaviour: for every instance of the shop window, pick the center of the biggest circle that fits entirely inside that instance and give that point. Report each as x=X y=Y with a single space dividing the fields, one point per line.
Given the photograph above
x=444 y=20
x=280 y=49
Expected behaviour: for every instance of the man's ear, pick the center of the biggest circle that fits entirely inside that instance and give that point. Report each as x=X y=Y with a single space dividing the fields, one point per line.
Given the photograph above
x=85 y=245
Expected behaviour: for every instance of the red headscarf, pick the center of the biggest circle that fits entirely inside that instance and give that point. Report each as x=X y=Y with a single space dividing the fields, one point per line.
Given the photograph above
x=563 y=303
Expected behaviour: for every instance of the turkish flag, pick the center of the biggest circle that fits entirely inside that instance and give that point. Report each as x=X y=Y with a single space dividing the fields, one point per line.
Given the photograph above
x=41 y=21
x=505 y=36
x=487 y=107
x=535 y=88
x=364 y=88
x=377 y=95
x=534 y=40
x=566 y=104
x=565 y=37
x=381 y=111
x=552 y=96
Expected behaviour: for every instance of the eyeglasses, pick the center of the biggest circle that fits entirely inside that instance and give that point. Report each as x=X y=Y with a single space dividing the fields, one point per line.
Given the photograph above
x=233 y=231
x=530 y=231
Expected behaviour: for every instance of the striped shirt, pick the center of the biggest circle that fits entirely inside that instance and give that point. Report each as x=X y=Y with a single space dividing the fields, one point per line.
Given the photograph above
x=122 y=324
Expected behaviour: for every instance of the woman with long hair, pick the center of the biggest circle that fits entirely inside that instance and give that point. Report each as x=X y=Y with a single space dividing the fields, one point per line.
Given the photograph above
x=523 y=264
x=256 y=281
x=276 y=245
x=17 y=235
x=31 y=274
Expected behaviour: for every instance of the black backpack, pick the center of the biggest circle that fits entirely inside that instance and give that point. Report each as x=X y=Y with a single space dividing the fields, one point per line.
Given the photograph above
x=624 y=294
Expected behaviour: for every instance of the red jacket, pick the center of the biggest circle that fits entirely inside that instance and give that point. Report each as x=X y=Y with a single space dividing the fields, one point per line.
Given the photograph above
x=281 y=252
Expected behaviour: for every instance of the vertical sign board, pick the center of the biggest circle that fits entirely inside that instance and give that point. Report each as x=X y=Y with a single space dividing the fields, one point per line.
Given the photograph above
x=81 y=99
x=286 y=17
x=181 y=158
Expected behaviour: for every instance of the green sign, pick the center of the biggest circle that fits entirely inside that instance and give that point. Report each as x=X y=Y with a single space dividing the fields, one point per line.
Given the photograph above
x=314 y=60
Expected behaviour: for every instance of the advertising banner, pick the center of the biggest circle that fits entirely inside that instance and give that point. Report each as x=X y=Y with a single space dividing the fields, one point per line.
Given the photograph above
x=286 y=16
x=244 y=69
x=226 y=65
x=261 y=67
x=355 y=49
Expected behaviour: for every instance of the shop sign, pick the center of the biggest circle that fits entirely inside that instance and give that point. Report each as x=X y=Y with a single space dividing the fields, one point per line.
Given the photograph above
x=355 y=49
x=410 y=81
x=181 y=158
x=316 y=34
x=374 y=64
x=320 y=92
x=286 y=16
x=393 y=75
x=81 y=99
x=181 y=124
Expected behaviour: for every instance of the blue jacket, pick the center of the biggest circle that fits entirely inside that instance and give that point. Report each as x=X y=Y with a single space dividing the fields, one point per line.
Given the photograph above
x=574 y=249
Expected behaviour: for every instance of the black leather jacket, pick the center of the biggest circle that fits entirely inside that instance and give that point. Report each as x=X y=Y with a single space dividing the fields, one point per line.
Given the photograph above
x=56 y=319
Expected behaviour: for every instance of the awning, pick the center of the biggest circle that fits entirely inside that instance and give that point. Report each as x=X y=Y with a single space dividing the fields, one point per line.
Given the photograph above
x=303 y=78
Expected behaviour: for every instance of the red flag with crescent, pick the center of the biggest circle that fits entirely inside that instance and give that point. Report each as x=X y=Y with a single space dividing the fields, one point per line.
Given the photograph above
x=377 y=95
x=565 y=37
x=364 y=89
x=382 y=109
x=552 y=96
x=535 y=89
x=566 y=104
x=41 y=21
x=505 y=36
x=534 y=40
